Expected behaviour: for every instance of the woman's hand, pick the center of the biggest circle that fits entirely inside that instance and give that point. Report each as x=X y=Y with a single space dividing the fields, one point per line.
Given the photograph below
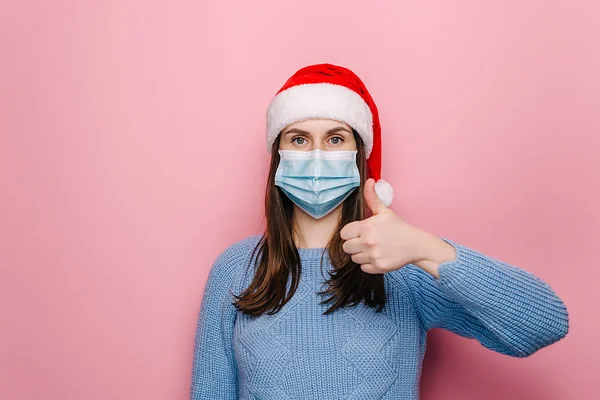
x=384 y=242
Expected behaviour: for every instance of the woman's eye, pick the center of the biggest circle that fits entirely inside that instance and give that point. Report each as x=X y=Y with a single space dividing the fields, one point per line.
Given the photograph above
x=301 y=140
x=336 y=140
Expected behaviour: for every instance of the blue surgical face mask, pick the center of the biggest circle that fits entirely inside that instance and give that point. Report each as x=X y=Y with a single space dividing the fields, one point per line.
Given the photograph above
x=317 y=181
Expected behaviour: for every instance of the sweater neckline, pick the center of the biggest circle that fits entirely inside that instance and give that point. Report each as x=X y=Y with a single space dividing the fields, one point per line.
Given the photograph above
x=313 y=252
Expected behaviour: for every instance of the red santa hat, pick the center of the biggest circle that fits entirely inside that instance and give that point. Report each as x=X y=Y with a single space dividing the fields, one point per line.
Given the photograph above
x=332 y=92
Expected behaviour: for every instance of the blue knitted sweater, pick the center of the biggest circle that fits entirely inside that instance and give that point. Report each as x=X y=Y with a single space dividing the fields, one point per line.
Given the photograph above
x=357 y=353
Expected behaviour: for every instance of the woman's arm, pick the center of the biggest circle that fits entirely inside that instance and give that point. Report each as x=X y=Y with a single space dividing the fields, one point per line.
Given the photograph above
x=214 y=374
x=507 y=309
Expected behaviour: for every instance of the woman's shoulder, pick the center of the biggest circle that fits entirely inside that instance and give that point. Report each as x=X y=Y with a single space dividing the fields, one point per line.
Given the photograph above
x=234 y=258
x=239 y=249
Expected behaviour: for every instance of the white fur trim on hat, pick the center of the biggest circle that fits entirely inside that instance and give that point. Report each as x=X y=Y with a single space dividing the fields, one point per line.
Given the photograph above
x=384 y=191
x=320 y=100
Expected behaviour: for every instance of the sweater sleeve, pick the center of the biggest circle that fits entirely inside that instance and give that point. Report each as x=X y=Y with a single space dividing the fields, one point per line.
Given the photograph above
x=505 y=308
x=214 y=373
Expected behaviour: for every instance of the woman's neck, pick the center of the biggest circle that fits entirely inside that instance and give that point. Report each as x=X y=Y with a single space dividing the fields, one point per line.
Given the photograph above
x=311 y=232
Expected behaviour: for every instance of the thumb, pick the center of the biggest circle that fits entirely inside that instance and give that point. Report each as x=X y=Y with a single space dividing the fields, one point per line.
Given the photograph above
x=373 y=201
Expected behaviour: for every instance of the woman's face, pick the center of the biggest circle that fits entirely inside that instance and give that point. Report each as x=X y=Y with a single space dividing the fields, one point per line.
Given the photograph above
x=323 y=134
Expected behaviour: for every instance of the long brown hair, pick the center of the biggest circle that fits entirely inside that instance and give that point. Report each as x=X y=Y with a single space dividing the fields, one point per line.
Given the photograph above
x=348 y=285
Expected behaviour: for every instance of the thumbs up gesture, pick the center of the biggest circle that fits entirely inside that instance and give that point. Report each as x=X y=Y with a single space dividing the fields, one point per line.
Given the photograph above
x=384 y=242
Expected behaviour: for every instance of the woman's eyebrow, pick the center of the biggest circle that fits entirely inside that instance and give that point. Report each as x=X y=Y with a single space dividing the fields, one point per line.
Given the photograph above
x=332 y=130
x=337 y=129
x=296 y=130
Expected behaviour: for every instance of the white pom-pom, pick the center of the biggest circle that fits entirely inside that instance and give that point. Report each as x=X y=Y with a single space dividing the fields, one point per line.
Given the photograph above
x=384 y=191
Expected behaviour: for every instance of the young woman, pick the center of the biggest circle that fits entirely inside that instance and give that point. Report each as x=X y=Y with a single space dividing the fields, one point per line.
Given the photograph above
x=332 y=303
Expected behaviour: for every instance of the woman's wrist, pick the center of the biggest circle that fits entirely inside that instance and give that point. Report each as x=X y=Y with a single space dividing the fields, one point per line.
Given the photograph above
x=435 y=251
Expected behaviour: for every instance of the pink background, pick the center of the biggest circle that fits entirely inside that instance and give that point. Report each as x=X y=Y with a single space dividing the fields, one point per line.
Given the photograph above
x=132 y=153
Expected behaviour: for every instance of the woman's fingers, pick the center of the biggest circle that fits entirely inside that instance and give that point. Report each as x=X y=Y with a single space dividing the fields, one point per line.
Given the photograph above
x=360 y=258
x=352 y=246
